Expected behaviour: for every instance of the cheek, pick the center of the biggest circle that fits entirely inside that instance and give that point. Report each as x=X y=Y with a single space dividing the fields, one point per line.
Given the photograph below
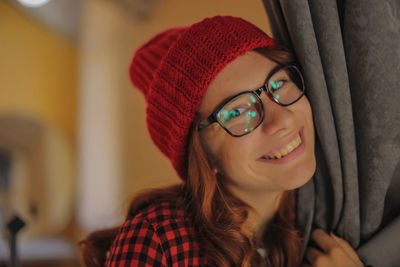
x=307 y=107
x=309 y=120
x=310 y=133
x=306 y=113
x=234 y=157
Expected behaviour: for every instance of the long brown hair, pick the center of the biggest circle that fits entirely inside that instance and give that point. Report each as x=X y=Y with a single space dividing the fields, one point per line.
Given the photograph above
x=217 y=215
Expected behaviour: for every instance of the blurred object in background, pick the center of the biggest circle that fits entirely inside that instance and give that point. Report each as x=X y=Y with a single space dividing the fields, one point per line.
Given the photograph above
x=38 y=186
x=14 y=226
x=33 y=3
x=62 y=17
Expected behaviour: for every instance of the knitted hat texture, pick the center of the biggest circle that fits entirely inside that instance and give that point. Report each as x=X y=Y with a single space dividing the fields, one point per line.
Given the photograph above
x=174 y=69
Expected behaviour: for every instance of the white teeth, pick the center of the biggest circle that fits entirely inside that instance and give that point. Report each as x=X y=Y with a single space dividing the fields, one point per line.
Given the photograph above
x=277 y=155
x=286 y=149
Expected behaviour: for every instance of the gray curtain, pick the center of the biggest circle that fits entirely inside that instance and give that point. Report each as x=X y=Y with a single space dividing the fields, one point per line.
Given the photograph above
x=350 y=56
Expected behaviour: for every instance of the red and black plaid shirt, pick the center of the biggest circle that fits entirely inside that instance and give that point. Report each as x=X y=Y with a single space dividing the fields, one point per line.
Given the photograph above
x=158 y=235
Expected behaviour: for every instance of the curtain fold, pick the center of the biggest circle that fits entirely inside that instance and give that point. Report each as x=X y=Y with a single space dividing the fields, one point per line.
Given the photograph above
x=350 y=57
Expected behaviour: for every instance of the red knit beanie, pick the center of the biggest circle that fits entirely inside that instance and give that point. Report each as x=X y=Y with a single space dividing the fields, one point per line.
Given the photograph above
x=175 y=68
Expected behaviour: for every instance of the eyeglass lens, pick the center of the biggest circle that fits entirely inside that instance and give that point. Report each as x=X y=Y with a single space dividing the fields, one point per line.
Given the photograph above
x=286 y=85
x=241 y=114
x=245 y=112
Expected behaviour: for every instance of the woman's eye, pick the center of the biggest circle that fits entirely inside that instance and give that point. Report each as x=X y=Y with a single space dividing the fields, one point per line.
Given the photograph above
x=276 y=85
x=233 y=113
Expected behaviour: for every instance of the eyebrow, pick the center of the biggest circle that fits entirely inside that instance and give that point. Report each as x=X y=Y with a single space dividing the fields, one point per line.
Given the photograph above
x=225 y=100
x=267 y=77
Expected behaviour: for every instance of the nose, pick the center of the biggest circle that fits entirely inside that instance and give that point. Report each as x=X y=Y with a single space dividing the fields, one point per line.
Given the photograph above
x=276 y=117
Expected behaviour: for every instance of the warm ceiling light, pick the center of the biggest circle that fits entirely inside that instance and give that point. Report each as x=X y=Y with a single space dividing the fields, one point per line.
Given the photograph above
x=33 y=3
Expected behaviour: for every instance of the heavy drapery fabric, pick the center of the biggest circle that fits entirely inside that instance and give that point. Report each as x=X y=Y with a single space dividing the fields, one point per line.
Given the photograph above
x=350 y=56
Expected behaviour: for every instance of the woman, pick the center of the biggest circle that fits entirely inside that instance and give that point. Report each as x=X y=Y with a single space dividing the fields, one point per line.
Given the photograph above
x=226 y=105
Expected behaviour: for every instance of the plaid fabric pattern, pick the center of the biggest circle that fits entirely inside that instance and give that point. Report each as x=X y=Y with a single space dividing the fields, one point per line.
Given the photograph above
x=158 y=235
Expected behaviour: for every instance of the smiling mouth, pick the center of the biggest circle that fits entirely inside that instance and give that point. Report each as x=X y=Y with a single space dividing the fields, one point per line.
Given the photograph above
x=290 y=150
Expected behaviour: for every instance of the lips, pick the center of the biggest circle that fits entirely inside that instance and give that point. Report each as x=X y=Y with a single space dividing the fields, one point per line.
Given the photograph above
x=296 y=142
x=291 y=144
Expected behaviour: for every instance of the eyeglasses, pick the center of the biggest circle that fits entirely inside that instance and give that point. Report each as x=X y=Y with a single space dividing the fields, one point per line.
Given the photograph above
x=242 y=113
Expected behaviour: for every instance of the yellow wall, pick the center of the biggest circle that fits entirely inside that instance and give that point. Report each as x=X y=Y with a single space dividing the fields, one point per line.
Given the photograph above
x=38 y=71
x=172 y=13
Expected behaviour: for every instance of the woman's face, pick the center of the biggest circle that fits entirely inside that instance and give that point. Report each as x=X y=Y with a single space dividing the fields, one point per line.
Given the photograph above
x=242 y=160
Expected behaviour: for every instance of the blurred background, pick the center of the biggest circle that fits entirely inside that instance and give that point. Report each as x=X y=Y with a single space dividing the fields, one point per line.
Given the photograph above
x=74 y=147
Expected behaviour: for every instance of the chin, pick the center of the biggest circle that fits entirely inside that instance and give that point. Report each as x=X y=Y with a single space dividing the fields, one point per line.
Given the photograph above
x=302 y=177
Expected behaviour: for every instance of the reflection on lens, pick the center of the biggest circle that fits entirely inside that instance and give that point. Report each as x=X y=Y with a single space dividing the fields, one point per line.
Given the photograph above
x=248 y=111
x=286 y=85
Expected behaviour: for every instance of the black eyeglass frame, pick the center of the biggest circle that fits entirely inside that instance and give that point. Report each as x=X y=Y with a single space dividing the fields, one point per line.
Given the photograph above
x=257 y=93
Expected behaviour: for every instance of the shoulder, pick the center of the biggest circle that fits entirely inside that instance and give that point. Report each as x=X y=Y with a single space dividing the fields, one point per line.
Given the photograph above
x=158 y=213
x=158 y=234
x=170 y=224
